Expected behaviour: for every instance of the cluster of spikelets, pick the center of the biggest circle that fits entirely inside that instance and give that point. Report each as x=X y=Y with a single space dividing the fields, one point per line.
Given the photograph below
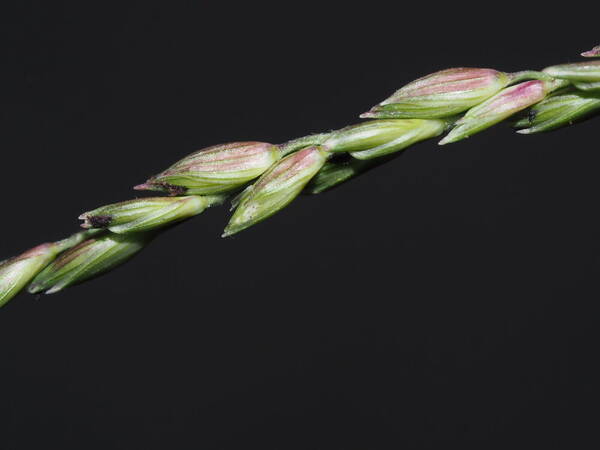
x=261 y=178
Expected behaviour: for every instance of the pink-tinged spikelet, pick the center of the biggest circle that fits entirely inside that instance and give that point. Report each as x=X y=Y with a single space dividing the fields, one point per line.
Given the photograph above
x=441 y=94
x=593 y=53
x=16 y=272
x=215 y=169
x=276 y=188
x=501 y=106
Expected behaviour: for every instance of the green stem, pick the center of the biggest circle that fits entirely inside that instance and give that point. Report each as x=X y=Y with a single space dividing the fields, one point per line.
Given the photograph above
x=528 y=75
x=76 y=239
x=305 y=141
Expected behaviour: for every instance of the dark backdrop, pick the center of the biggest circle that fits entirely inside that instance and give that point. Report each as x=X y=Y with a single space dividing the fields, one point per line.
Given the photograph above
x=447 y=299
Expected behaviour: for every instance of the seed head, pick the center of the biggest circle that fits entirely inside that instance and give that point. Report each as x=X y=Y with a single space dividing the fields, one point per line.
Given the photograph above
x=215 y=170
x=441 y=94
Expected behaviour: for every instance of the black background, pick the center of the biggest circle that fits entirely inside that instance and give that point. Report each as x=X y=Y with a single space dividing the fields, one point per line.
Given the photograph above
x=447 y=299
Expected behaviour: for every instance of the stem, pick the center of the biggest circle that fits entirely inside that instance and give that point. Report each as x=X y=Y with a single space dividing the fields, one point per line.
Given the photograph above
x=528 y=75
x=305 y=141
x=76 y=239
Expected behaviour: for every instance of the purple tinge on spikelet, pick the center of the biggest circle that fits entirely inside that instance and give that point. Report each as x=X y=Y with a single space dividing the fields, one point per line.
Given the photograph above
x=441 y=94
x=593 y=53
